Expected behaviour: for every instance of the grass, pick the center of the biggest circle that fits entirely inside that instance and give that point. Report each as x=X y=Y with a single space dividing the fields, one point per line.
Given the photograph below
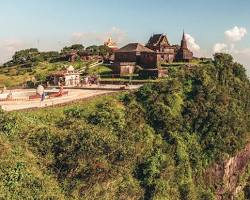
x=179 y=64
x=25 y=175
x=17 y=75
x=100 y=69
x=49 y=116
x=126 y=80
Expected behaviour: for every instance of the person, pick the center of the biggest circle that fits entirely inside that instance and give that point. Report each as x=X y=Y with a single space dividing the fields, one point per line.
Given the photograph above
x=42 y=98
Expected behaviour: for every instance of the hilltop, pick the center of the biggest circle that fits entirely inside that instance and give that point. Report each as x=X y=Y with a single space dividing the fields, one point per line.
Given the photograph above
x=31 y=67
x=160 y=142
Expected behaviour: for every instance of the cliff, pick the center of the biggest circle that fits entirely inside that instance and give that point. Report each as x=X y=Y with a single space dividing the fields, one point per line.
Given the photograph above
x=225 y=177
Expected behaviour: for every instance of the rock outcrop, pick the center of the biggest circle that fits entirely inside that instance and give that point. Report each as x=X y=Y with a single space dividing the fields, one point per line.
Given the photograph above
x=225 y=177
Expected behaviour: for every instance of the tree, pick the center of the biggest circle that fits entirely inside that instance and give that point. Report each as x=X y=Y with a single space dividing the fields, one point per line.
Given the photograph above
x=26 y=56
x=94 y=50
x=104 y=50
x=73 y=48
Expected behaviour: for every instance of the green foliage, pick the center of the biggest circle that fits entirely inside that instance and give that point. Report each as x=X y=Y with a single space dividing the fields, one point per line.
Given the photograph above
x=75 y=113
x=93 y=49
x=152 y=167
x=30 y=57
x=101 y=70
x=207 y=195
x=73 y=48
x=101 y=50
x=7 y=123
x=109 y=114
x=155 y=143
x=104 y=50
x=21 y=177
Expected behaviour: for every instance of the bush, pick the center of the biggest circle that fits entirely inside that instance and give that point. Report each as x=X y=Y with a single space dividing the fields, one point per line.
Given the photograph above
x=8 y=123
x=109 y=114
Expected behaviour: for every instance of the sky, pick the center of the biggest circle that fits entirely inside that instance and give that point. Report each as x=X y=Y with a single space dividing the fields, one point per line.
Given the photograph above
x=210 y=26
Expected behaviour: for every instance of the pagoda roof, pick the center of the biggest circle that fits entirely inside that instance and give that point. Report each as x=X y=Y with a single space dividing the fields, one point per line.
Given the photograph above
x=156 y=39
x=134 y=47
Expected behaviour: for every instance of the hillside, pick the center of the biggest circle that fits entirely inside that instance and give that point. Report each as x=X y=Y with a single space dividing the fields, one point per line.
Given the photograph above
x=29 y=66
x=163 y=141
x=17 y=75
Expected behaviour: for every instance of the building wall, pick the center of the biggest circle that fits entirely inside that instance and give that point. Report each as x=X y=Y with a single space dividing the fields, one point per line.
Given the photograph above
x=126 y=57
x=184 y=55
x=165 y=57
x=164 y=53
x=127 y=69
x=121 y=68
x=149 y=60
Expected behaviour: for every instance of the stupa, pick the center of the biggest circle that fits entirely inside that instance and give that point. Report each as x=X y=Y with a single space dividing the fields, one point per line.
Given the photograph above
x=111 y=44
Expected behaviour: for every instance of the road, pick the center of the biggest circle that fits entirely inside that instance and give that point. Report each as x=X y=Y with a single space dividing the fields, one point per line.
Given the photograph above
x=73 y=95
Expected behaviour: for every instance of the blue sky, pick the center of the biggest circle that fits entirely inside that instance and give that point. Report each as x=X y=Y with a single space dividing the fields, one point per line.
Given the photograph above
x=52 y=24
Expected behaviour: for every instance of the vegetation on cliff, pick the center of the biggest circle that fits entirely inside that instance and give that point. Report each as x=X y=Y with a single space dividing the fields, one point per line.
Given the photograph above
x=155 y=143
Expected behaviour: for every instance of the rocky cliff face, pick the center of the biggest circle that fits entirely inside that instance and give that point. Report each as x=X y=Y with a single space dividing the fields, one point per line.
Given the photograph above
x=225 y=177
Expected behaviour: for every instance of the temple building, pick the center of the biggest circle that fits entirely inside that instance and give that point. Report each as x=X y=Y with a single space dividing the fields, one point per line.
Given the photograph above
x=131 y=53
x=69 y=77
x=169 y=53
x=157 y=51
x=129 y=56
x=184 y=54
x=160 y=44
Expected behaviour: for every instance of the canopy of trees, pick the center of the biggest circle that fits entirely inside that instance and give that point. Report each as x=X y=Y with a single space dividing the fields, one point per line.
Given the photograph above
x=75 y=47
x=31 y=57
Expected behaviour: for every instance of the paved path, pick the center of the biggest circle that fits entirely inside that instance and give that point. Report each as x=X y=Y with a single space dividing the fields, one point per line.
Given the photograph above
x=107 y=87
x=74 y=94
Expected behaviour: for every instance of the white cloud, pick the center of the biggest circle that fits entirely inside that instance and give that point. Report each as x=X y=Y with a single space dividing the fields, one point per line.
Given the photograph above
x=8 y=47
x=88 y=38
x=192 y=43
x=220 y=47
x=235 y=34
x=240 y=55
x=12 y=45
x=243 y=56
x=245 y=52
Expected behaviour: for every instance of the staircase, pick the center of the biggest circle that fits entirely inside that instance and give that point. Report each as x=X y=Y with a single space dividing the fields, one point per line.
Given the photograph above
x=99 y=62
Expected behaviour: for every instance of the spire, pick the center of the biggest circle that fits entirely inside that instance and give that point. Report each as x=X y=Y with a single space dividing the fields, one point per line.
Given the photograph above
x=183 y=35
x=183 y=41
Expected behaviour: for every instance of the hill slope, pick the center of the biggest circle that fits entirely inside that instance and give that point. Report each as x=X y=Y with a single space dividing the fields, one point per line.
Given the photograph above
x=18 y=75
x=156 y=143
